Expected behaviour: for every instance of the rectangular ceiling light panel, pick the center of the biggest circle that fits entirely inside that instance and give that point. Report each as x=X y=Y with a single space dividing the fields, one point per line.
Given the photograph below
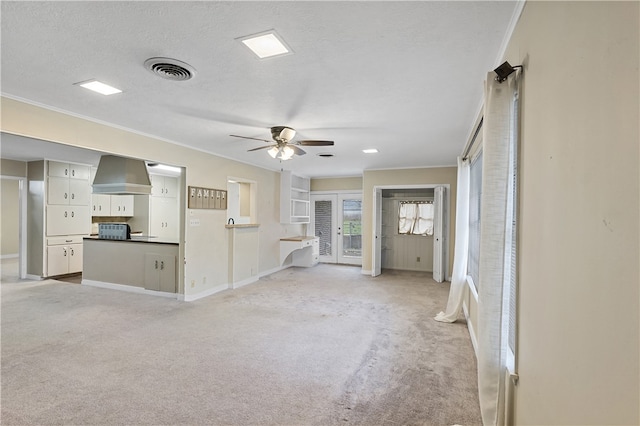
x=266 y=45
x=370 y=151
x=97 y=86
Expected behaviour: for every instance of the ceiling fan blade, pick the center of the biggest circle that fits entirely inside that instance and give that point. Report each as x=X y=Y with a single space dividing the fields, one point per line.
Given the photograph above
x=261 y=147
x=297 y=150
x=255 y=139
x=314 y=143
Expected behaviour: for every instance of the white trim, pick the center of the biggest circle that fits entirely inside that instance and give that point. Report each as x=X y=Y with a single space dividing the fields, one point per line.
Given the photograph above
x=33 y=277
x=337 y=177
x=202 y=294
x=10 y=256
x=244 y=282
x=273 y=271
x=472 y=288
x=472 y=332
x=338 y=191
x=365 y=271
x=410 y=168
x=128 y=288
x=115 y=126
x=517 y=11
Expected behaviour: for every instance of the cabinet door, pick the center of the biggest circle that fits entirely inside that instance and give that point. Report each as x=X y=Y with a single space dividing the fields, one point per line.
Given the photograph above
x=58 y=169
x=58 y=220
x=58 y=190
x=74 y=253
x=170 y=187
x=167 y=274
x=151 y=272
x=57 y=260
x=164 y=217
x=79 y=220
x=77 y=171
x=79 y=192
x=100 y=205
x=157 y=185
x=122 y=205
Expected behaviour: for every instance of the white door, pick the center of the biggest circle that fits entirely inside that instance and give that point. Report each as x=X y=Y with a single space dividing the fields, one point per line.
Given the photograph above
x=324 y=225
x=350 y=229
x=376 y=260
x=438 y=235
x=337 y=222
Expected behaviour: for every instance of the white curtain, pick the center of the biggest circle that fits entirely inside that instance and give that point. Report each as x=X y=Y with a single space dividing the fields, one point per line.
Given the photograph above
x=459 y=276
x=406 y=217
x=494 y=246
x=424 y=221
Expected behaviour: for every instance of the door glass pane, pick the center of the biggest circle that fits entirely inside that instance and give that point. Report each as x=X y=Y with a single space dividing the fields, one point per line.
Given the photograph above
x=352 y=228
x=323 y=226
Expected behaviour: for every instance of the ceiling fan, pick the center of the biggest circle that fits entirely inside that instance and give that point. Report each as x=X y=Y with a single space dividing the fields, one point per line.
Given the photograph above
x=283 y=148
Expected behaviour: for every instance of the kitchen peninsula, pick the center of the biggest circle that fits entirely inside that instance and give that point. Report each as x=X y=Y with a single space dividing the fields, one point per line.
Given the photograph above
x=141 y=264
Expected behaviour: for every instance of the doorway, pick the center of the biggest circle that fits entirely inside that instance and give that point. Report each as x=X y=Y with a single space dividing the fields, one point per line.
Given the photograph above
x=336 y=220
x=14 y=209
x=397 y=250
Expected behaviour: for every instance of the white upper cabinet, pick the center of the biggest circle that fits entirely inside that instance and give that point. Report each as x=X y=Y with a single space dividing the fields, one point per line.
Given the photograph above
x=164 y=186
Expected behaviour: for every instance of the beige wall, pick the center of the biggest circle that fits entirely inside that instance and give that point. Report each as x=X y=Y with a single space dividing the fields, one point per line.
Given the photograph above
x=205 y=246
x=9 y=217
x=337 y=184
x=13 y=168
x=578 y=349
x=427 y=176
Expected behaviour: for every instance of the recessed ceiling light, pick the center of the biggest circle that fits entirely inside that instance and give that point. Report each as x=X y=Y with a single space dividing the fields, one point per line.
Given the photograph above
x=98 y=86
x=370 y=151
x=266 y=44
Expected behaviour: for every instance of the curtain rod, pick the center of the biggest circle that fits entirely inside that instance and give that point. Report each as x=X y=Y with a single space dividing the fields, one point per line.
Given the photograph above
x=465 y=155
x=416 y=202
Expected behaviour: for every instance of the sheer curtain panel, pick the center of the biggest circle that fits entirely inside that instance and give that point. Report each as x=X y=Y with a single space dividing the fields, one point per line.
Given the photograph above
x=459 y=276
x=494 y=244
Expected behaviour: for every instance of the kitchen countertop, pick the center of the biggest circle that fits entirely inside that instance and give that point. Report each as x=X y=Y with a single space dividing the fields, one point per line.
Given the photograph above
x=242 y=225
x=138 y=239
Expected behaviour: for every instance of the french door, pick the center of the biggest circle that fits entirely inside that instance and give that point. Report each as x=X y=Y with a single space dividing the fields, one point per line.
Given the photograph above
x=337 y=222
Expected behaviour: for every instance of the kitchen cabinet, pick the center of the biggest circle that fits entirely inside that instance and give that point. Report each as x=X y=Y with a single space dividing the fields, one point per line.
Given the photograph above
x=100 y=205
x=163 y=217
x=121 y=205
x=112 y=205
x=164 y=186
x=294 y=198
x=160 y=272
x=59 y=206
x=69 y=170
x=67 y=220
x=64 y=255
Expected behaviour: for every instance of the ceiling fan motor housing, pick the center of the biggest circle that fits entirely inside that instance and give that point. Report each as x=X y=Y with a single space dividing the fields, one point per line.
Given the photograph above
x=282 y=133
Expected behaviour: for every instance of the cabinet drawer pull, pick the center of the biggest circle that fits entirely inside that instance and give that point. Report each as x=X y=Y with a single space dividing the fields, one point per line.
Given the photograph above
x=73 y=172
x=72 y=253
x=65 y=214
x=65 y=252
x=73 y=196
x=68 y=241
x=72 y=214
x=156 y=264
x=66 y=172
x=65 y=195
x=162 y=265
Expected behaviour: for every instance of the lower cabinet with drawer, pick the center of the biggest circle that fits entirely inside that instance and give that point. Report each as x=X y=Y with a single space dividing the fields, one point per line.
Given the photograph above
x=64 y=255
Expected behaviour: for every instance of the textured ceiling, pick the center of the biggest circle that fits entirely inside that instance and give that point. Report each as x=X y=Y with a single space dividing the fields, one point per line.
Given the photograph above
x=403 y=77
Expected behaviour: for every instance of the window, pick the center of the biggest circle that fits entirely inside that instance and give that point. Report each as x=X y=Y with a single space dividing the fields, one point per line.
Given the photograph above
x=475 y=195
x=415 y=217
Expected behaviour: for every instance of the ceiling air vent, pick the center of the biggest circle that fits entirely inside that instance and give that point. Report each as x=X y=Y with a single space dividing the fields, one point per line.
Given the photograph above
x=325 y=155
x=170 y=69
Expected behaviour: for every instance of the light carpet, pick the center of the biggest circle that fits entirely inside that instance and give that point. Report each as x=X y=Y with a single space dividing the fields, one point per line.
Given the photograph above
x=318 y=346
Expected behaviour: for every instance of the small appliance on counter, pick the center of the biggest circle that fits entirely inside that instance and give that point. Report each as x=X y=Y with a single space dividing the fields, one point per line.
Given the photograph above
x=114 y=231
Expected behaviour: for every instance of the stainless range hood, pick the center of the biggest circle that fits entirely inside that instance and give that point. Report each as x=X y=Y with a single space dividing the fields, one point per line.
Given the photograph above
x=120 y=175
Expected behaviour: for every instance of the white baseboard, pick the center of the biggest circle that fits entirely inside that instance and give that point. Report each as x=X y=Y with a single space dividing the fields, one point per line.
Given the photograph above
x=274 y=270
x=244 y=282
x=128 y=288
x=472 y=332
x=9 y=256
x=365 y=271
x=208 y=292
x=33 y=277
